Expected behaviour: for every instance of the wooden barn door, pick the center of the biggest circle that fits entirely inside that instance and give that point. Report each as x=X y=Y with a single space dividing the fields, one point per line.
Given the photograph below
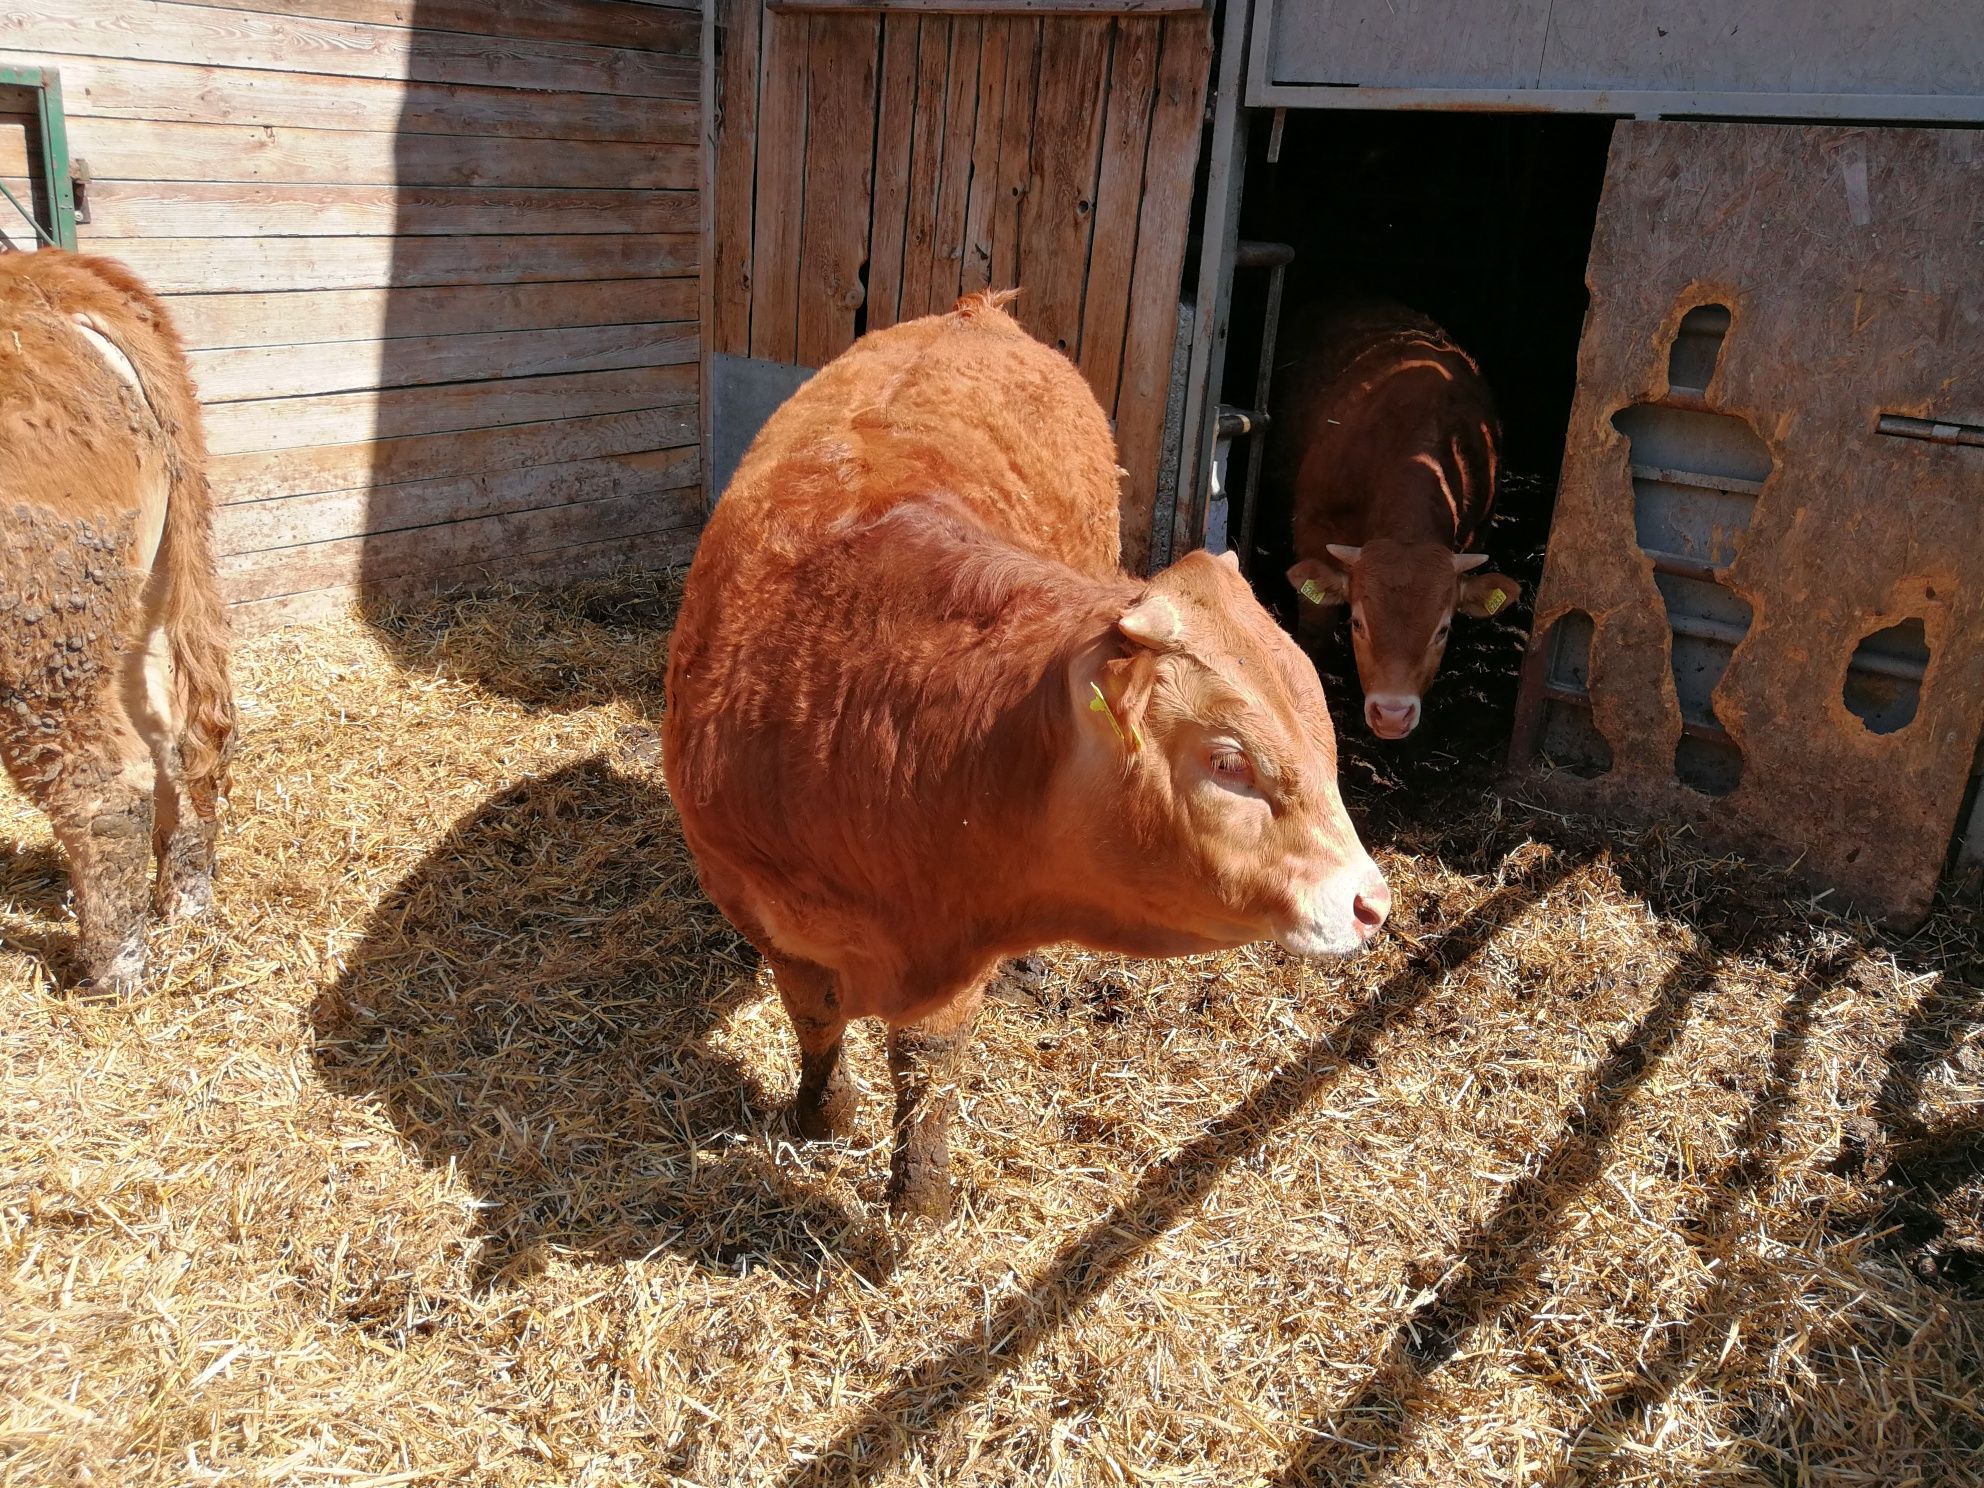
x=1763 y=606
x=869 y=167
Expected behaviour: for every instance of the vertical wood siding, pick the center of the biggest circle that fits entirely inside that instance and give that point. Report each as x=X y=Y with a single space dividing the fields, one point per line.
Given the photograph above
x=868 y=168
x=435 y=262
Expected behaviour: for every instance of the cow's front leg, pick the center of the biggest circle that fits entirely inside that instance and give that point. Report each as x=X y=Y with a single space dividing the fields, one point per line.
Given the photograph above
x=926 y=1059
x=825 y=1105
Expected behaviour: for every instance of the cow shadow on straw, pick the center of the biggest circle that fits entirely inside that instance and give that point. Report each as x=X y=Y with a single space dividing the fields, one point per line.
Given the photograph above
x=541 y=1004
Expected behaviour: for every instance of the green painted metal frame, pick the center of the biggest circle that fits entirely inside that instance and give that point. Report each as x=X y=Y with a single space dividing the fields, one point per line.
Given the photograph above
x=45 y=83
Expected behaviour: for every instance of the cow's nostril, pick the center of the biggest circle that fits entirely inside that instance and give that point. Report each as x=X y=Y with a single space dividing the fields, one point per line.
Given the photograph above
x=1370 y=908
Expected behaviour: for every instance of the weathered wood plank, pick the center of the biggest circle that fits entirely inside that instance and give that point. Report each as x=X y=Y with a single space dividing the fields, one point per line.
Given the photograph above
x=667 y=548
x=1059 y=214
x=139 y=150
x=781 y=197
x=380 y=557
x=207 y=36
x=235 y=209
x=1015 y=177
x=954 y=173
x=926 y=162
x=269 y=474
x=982 y=200
x=291 y=521
x=735 y=144
x=300 y=317
x=188 y=265
x=891 y=182
x=840 y=139
x=349 y=366
x=344 y=418
x=1118 y=200
x=127 y=88
x=612 y=23
x=1170 y=160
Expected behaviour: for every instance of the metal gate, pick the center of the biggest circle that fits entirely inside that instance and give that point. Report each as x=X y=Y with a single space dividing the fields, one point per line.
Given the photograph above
x=1762 y=611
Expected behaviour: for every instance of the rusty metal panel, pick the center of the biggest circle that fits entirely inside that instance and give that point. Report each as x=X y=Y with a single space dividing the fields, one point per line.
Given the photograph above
x=1817 y=59
x=1762 y=611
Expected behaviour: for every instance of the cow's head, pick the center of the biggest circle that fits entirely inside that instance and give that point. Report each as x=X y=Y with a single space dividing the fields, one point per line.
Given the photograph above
x=1403 y=598
x=1216 y=742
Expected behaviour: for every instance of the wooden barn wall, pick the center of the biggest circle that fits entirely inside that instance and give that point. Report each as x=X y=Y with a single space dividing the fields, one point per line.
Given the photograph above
x=938 y=154
x=435 y=261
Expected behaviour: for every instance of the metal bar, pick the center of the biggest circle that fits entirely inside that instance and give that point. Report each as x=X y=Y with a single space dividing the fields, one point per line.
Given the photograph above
x=1557 y=692
x=1263 y=376
x=55 y=158
x=1735 y=485
x=28 y=214
x=1219 y=234
x=1681 y=568
x=1934 y=431
x=52 y=131
x=1888 y=108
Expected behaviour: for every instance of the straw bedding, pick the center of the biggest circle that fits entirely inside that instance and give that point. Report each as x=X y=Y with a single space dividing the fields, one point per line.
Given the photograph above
x=450 y=1149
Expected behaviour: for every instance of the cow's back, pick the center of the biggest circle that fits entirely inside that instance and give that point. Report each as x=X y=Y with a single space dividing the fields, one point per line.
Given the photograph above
x=966 y=405
x=1366 y=386
x=73 y=442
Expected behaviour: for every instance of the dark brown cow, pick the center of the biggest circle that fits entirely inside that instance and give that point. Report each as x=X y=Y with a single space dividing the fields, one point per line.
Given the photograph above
x=919 y=720
x=116 y=713
x=1385 y=441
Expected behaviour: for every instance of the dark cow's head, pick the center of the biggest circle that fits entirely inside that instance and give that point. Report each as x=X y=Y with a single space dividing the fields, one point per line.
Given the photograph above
x=1403 y=598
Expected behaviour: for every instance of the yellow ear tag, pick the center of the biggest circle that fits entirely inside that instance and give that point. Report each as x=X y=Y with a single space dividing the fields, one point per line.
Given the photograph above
x=1311 y=591
x=1495 y=600
x=1100 y=704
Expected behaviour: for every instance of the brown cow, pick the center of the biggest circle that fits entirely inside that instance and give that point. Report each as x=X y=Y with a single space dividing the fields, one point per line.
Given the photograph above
x=116 y=713
x=919 y=720
x=1385 y=441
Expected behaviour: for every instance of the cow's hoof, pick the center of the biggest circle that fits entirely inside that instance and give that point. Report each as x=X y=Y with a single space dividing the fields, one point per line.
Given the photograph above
x=826 y=1116
x=123 y=976
x=920 y=1196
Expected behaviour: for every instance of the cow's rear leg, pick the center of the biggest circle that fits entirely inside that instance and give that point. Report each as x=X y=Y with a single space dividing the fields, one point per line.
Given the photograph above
x=926 y=1059
x=96 y=787
x=185 y=805
x=826 y=1102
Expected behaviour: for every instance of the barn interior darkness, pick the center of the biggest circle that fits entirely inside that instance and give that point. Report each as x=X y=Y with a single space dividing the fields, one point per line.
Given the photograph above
x=1483 y=221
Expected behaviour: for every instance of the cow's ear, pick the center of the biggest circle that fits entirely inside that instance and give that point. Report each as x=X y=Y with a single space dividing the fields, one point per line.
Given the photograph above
x=1320 y=583
x=1153 y=622
x=1125 y=688
x=1485 y=594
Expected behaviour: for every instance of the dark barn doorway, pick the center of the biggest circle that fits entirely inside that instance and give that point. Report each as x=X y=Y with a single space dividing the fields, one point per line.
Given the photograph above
x=1484 y=222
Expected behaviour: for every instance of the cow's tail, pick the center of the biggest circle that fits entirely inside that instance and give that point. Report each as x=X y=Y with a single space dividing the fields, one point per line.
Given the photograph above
x=195 y=621
x=983 y=302
x=193 y=616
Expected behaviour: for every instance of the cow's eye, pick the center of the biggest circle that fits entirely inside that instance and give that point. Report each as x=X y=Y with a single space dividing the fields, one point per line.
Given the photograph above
x=1357 y=625
x=1231 y=764
x=1440 y=635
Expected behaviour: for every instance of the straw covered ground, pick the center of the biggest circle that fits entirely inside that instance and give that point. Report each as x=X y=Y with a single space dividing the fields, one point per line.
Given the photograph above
x=451 y=1149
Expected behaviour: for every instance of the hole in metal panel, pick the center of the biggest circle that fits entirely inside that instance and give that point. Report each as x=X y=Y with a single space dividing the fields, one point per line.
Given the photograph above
x=1696 y=478
x=1712 y=766
x=1697 y=347
x=1571 y=740
x=1883 y=684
